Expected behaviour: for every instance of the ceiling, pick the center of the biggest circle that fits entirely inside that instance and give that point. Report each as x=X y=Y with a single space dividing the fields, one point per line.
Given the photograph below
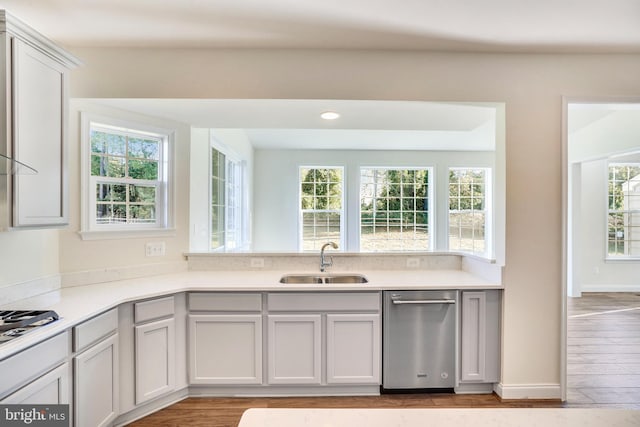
x=371 y=125
x=451 y=25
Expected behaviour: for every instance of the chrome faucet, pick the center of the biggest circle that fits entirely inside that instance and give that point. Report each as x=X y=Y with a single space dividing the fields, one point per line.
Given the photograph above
x=324 y=263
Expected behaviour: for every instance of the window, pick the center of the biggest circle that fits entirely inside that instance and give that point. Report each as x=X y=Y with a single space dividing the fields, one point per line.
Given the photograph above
x=127 y=182
x=394 y=209
x=468 y=210
x=227 y=194
x=623 y=229
x=321 y=207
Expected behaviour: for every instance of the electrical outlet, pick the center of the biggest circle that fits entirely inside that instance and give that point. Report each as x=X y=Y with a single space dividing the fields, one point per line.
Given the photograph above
x=413 y=262
x=155 y=249
x=257 y=262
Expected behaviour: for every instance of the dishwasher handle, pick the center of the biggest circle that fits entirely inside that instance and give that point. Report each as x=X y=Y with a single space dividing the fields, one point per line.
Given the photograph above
x=424 y=301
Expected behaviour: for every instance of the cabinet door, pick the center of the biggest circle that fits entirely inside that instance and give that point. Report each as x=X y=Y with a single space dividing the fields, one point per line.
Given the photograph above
x=225 y=349
x=96 y=384
x=39 y=105
x=155 y=359
x=295 y=353
x=480 y=334
x=353 y=348
x=51 y=388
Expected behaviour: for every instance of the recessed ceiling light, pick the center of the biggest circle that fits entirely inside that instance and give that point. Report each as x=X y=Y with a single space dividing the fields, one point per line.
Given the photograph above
x=330 y=115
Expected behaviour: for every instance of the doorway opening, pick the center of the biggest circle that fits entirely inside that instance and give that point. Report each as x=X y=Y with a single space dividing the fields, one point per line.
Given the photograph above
x=601 y=293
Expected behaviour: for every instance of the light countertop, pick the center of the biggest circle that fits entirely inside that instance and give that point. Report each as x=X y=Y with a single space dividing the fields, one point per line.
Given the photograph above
x=436 y=417
x=79 y=303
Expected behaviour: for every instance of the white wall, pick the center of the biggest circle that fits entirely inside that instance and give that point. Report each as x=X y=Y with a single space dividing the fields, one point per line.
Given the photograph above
x=28 y=262
x=237 y=142
x=614 y=133
x=79 y=259
x=595 y=273
x=532 y=86
x=276 y=188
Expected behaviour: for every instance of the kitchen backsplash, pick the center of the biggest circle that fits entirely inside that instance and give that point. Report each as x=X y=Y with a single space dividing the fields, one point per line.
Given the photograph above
x=310 y=262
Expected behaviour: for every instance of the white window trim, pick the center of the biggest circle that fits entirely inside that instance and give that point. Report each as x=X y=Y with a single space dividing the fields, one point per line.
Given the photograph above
x=342 y=243
x=92 y=231
x=230 y=156
x=432 y=205
x=607 y=257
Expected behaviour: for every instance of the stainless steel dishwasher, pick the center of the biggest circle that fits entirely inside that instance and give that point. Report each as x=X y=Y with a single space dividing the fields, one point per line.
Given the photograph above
x=419 y=329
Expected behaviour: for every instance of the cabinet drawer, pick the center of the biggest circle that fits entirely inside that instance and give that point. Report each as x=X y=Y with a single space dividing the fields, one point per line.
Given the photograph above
x=223 y=301
x=31 y=363
x=324 y=301
x=94 y=329
x=153 y=309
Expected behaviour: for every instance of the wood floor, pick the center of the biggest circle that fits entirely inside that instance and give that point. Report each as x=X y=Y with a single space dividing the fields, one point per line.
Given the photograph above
x=603 y=350
x=603 y=371
x=226 y=412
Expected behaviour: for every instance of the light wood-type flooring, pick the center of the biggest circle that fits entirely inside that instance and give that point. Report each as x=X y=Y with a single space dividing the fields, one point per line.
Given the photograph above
x=603 y=350
x=603 y=371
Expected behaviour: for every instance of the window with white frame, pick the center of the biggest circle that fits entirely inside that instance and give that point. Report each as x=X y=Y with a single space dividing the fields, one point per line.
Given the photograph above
x=128 y=176
x=228 y=230
x=468 y=215
x=394 y=209
x=623 y=230
x=321 y=206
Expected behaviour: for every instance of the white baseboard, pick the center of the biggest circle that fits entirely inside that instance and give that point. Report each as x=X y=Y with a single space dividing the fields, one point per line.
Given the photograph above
x=611 y=288
x=28 y=289
x=529 y=391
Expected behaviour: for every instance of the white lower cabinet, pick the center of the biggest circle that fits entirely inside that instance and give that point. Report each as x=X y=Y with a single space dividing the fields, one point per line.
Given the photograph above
x=96 y=384
x=295 y=349
x=155 y=353
x=480 y=336
x=52 y=388
x=96 y=370
x=328 y=338
x=225 y=349
x=353 y=349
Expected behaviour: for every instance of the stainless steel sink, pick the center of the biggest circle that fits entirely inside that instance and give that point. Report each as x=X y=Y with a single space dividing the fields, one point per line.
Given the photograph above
x=313 y=278
x=346 y=278
x=300 y=278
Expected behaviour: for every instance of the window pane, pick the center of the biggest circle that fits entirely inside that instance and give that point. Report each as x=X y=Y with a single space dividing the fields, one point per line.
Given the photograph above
x=111 y=192
x=142 y=169
x=115 y=167
x=115 y=144
x=142 y=214
x=144 y=148
x=467 y=216
x=111 y=213
x=319 y=228
x=394 y=211
x=320 y=191
x=98 y=142
x=142 y=194
x=623 y=233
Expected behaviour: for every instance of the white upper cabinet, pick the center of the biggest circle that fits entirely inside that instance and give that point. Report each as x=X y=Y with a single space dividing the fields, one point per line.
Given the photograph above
x=33 y=119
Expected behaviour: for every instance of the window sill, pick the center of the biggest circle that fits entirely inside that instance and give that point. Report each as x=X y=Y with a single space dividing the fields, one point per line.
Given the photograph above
x=622 y=259
x=127 y=234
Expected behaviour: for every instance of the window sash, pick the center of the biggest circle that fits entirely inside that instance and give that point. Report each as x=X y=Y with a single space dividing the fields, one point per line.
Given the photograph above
x=320 y=225
x=395 y=216
x=129 y=131
x=228 y=228
x=623 y=213
x=468 y=216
